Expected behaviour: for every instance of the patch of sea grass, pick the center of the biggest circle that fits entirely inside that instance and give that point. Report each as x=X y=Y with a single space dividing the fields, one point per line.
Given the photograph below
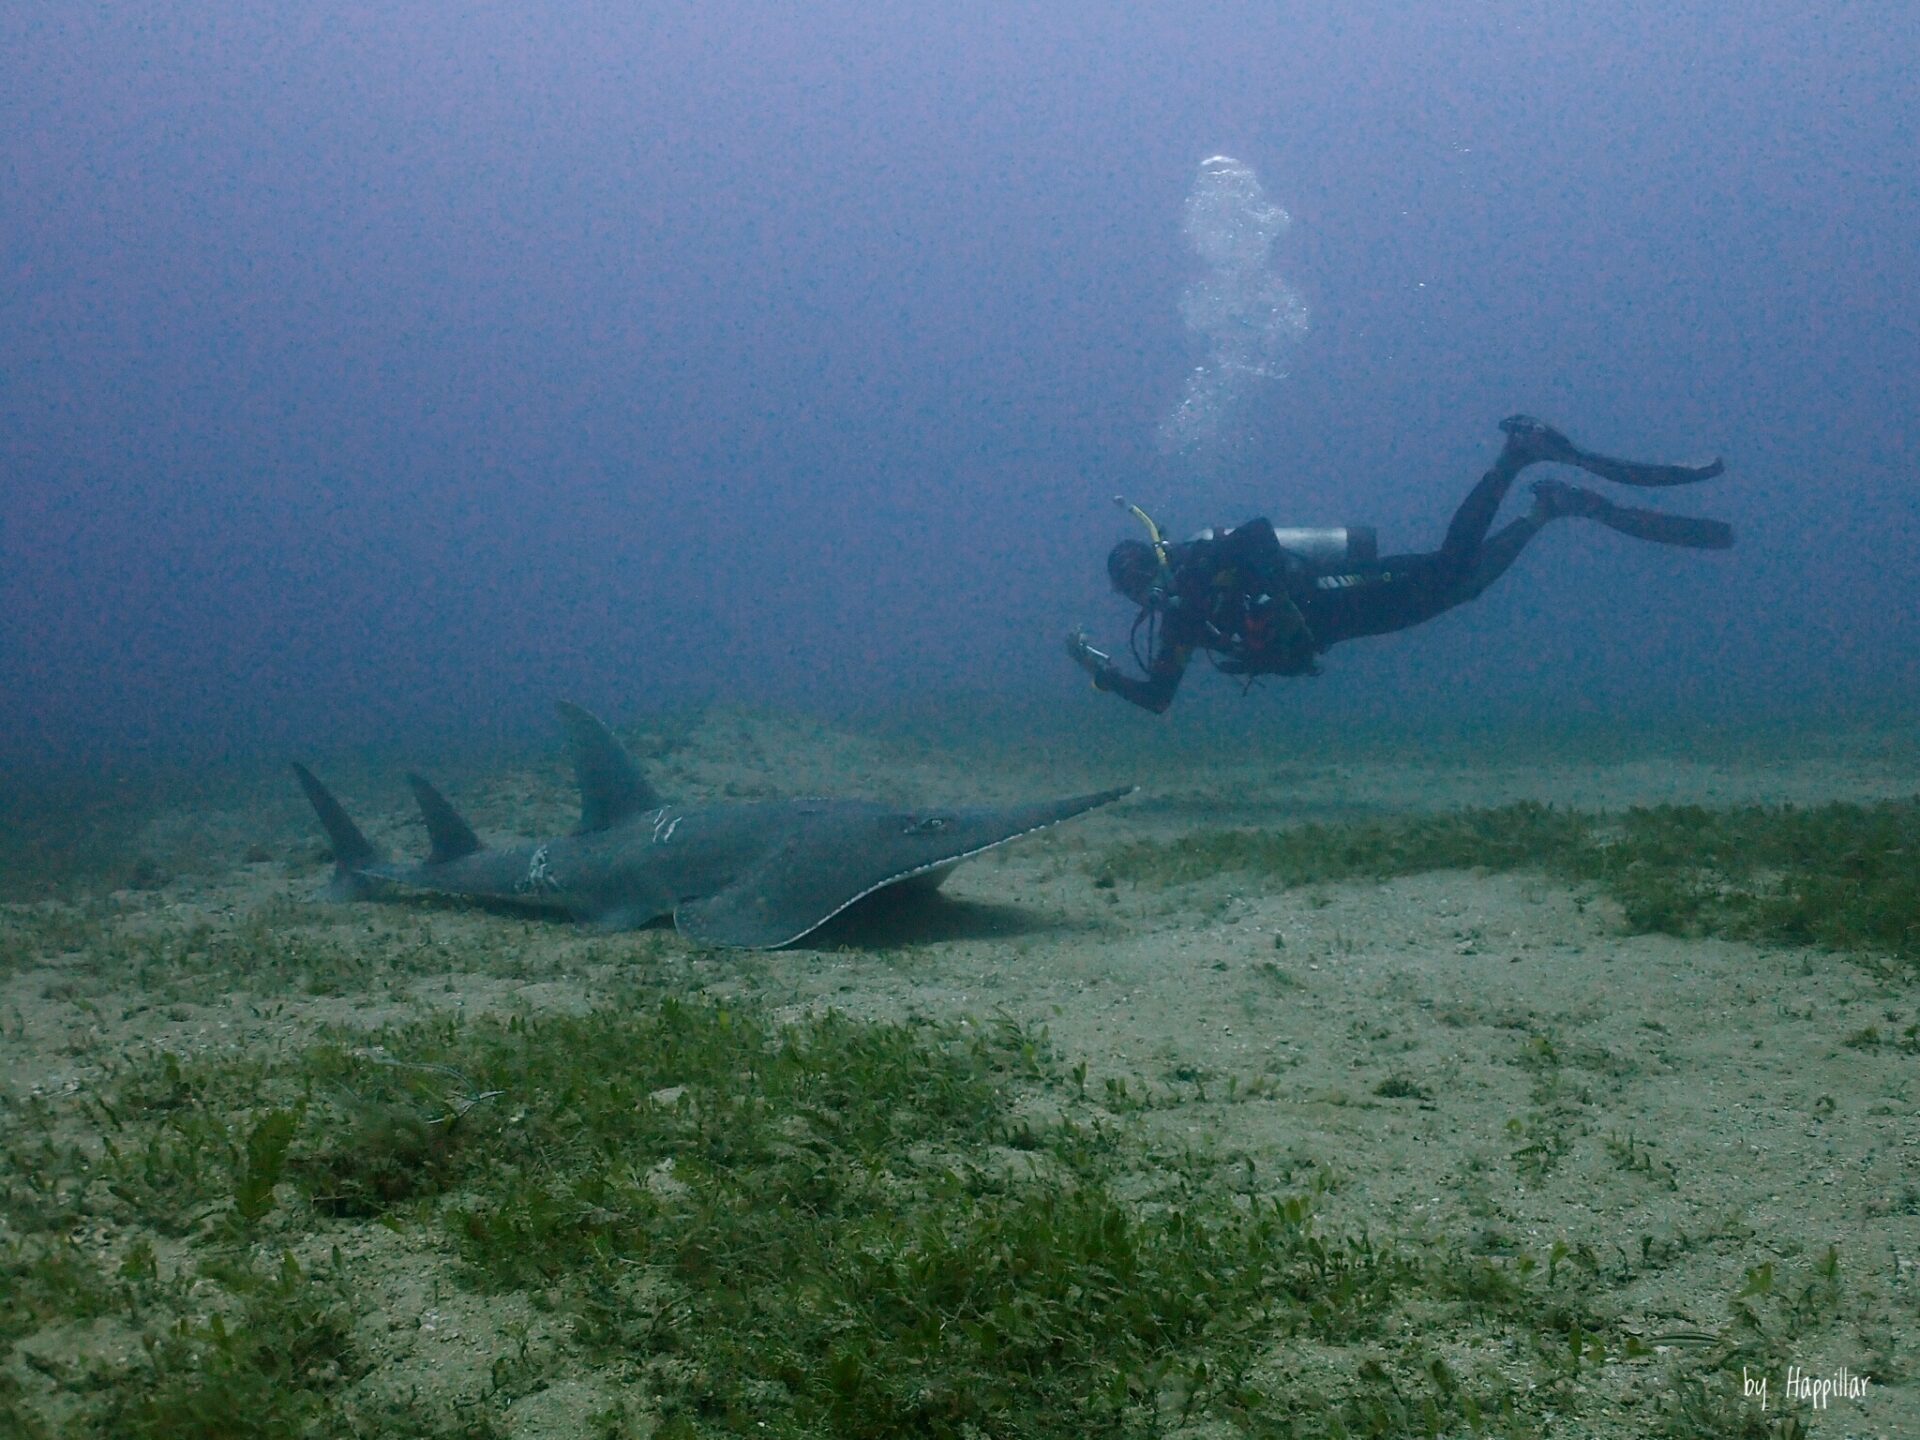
x=1510 y=837
x=1843 y=875
x=814 y=1227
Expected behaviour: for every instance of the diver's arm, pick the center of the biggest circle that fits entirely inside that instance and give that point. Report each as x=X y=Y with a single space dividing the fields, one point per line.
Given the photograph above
x=1154 y=693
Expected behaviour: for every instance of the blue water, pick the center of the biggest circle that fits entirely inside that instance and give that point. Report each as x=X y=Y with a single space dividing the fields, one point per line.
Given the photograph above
x=388 y=371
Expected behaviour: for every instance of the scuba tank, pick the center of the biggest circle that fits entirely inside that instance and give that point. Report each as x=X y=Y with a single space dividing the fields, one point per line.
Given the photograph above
x=1322 y=549
x=1328 y=548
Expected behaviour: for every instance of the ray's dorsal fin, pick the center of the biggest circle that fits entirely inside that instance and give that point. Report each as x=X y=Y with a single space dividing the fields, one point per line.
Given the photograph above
x=450 y=835
x=612 y=788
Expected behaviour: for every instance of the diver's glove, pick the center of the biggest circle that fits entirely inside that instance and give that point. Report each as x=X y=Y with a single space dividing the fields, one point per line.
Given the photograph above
x=1080 y=650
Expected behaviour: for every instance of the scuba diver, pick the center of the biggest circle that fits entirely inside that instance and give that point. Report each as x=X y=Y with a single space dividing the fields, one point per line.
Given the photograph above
x=1267 y=601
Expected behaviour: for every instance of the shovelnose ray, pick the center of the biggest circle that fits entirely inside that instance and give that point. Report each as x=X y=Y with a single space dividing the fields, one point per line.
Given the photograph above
x=753 y=876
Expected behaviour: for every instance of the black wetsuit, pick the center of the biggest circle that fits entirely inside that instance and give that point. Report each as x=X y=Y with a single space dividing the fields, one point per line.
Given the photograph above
x=1261 y=610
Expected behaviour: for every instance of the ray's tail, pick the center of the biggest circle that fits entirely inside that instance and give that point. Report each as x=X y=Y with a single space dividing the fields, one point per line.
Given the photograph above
x=353 y=853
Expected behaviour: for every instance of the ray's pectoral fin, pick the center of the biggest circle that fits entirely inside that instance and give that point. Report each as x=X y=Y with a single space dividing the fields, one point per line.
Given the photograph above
x=772 y=903
x=845 y=853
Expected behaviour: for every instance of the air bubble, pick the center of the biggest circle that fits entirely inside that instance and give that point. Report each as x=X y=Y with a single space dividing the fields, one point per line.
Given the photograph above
x=1245 y=318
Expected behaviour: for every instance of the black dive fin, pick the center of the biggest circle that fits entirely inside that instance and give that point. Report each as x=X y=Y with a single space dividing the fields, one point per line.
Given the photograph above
x=450 y=836
x=1631 y=472
x=352 y=851
x=1664 y=529
x=612 y=788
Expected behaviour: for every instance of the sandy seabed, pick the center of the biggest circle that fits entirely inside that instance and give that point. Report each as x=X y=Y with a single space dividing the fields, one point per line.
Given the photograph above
x=1712 y=1106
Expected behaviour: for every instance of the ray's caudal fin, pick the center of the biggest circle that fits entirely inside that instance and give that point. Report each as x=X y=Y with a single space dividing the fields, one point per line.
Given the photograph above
x=352 y=851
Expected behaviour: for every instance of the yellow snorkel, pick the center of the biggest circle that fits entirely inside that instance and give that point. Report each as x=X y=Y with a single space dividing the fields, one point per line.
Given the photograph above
x=1163 y=581
x=1154 y=537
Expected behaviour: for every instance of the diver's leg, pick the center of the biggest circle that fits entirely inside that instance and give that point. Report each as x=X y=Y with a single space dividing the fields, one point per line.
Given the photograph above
x=1688 y=531
x=1543 y=442
x=1554 y=499
x=1471 y=522
x=1496 y=553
